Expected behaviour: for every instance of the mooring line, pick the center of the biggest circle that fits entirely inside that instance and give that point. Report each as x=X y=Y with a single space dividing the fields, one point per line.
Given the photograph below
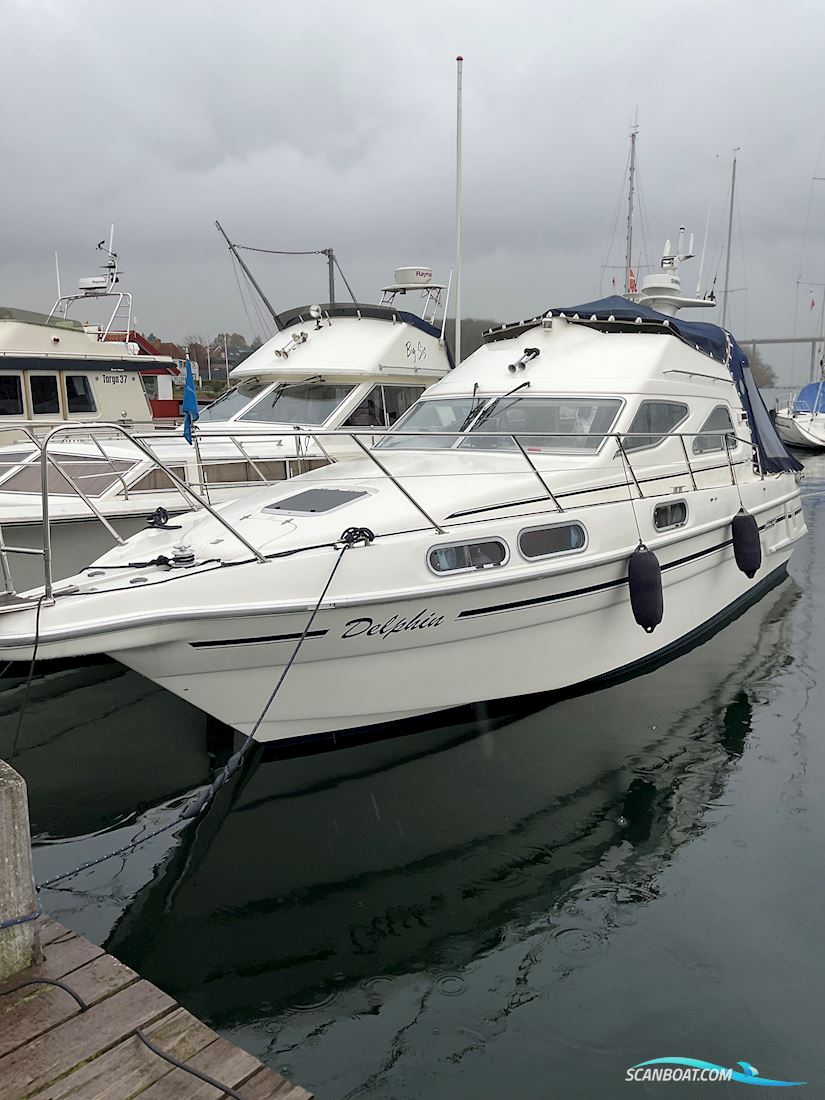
x=352 y=536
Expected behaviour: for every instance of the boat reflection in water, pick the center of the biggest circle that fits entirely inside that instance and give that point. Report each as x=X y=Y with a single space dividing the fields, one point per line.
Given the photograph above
x=98 y=745
x=413 y=858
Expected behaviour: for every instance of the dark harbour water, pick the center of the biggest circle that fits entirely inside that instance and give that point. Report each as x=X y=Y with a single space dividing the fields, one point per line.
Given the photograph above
x=523 y=904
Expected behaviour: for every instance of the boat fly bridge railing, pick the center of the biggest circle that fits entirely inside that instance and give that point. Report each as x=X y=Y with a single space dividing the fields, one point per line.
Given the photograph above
x=527 y=446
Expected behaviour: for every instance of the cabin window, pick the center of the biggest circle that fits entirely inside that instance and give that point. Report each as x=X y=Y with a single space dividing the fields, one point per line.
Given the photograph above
x=233 y=400
x=448 y=414
x=668 y=516
x=397 y=399
x=157 y=479
x=11 y=395
x=718 y=421
x=561 y=538
x=79 y=394
x=546 y=424
x=45 y=394
x=94 y=475
x=301 y=403
x=10 y=460
x=383 y=406
x=465 y=556
x=242 y=473
x=370 y=413
x=652 y=422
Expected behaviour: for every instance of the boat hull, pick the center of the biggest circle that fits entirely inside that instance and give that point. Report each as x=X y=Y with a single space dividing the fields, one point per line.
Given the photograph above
x=384 y=662
x=807 y=433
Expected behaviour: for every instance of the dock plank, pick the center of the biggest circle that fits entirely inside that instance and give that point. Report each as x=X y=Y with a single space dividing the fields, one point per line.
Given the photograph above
x=226 y=1063
x=266 y=1084
x=36 y=1009
x=51 y=1050
x=130 y=1068
x=81 y=1037
x=30 y=1013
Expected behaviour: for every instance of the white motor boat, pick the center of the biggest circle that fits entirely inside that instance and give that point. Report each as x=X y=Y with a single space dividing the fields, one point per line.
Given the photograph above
x=801 y=423
x=589 y=493
x=353 y=366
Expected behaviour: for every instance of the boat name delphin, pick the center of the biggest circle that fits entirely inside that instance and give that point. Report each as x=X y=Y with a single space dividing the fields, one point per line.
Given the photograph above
x=422 y=620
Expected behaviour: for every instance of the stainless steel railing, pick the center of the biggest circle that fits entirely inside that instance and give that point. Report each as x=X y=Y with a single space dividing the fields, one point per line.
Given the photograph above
x=244 y=441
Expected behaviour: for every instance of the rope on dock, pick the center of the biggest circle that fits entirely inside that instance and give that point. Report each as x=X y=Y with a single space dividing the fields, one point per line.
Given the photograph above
x=225 y=1090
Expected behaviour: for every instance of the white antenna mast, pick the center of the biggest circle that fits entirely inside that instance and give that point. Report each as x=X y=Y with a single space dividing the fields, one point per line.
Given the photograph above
x=57 y=274
x=730 y=235
x=628 y=263
x=459 y=69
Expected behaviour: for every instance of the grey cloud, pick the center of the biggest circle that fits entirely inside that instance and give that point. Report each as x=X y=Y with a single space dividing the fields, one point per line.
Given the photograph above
x=333 y=124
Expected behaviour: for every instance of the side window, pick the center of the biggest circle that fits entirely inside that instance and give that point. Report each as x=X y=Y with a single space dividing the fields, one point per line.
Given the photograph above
x=370 y=413
x=652 y=422
x=11 y=395
x=397 y=399
x=561 y=538
x=719 y=420
x=467 y=555
x=79 y=394
x=45 y=394
x=667 y=516
x=158 y=479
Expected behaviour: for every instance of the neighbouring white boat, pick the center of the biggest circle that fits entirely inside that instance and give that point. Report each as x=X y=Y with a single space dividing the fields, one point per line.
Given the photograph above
x=583 y=475
x=55 y=371
x=352 y=366
x=801 y=423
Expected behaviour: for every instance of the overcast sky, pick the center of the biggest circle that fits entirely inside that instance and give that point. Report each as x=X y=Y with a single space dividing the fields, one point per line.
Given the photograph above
x=301 y=126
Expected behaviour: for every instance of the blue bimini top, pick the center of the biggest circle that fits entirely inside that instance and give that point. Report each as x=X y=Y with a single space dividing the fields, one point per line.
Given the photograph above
x=810 y=399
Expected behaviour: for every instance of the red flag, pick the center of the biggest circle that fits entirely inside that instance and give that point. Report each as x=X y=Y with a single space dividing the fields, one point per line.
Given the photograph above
x=812 y=300
x=631 y=282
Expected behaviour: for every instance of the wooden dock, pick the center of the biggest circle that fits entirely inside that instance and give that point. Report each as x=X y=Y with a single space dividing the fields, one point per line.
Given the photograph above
x=50 y=1049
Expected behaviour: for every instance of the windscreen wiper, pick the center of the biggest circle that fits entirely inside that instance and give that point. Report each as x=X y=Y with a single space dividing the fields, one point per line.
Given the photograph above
x=474 y=407
x=488 y=409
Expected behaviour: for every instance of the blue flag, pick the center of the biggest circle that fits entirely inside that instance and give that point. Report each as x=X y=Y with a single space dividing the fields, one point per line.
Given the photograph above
x=189 y=405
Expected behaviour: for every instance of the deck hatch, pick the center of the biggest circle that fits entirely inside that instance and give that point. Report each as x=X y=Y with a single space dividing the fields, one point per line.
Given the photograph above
x=313 y=501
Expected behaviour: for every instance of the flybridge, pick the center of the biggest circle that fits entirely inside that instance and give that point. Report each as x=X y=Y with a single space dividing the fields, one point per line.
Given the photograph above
x=617 y=314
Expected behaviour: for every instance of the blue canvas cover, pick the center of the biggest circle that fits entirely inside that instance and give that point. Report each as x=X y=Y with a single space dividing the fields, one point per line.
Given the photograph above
x=713 y=341
x=810 y=399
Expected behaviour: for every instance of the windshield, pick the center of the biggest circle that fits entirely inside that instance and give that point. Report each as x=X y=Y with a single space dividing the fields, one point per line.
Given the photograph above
x=549 y=424
x=233 y=400
x=430 y=416
x=306 y=403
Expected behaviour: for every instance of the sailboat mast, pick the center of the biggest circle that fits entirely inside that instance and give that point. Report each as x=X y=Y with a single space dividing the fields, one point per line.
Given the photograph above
x=458 y=123
x=628 y=263
x=250 y=276
x=730 y=237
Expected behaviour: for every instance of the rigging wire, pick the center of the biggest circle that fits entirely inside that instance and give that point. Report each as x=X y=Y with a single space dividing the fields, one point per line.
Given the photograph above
x=283 y=251
x=645 y=254
x=343 y=276
x=256 y=305
x=606 y=262
x=243 y=300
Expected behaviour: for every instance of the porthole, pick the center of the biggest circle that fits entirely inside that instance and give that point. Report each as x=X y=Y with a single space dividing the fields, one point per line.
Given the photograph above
x=560 y=538
x=466 y=556
x=666 y=517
